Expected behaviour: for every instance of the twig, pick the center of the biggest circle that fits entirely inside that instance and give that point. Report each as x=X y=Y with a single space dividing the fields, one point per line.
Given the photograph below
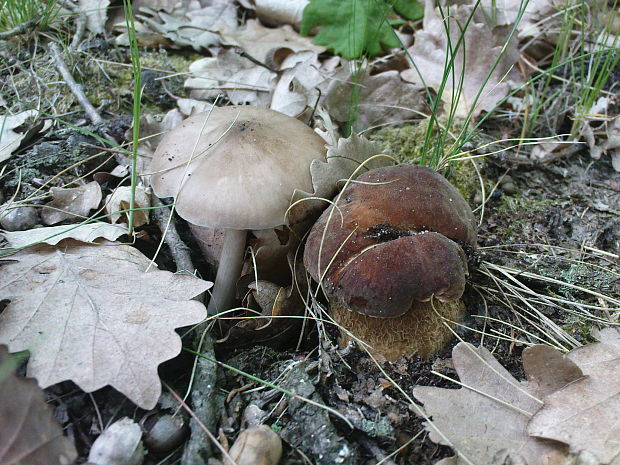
x=178 y=248
x=76 y=88
x=204 y=379
x=80 y=29
x=19 y=29
x=198 y=448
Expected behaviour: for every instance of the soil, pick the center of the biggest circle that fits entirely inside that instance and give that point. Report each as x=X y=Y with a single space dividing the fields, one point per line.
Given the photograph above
x=538 y=223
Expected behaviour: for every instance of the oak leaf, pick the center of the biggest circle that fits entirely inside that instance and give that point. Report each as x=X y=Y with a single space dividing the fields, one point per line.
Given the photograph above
x=28 y=432
x=474 y=53
x=54 y=234
x=586 y=414
x=91 y=314
x=489 y=415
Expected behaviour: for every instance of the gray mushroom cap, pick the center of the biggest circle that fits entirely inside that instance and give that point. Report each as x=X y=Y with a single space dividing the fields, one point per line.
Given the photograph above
x=236 y=167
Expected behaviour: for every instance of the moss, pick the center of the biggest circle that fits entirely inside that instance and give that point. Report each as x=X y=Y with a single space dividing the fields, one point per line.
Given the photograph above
x=464 y=177
x=404 y=142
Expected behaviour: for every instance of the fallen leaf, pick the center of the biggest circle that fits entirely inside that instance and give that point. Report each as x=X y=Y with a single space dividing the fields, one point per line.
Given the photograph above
x=71 y=204
x=13 y=129
x=585 y=414
x=120 y=199
x=300 y=85
x=491 y=411
x=262 y=43
x=54 y=234
x=383 y=98
x=96 y=12
x=605 y=139
x=239 y=78
x=90 y=314
x=192 y=24
x=29 y=434
x=343 y=158
x=506 y=13
x=469 y=72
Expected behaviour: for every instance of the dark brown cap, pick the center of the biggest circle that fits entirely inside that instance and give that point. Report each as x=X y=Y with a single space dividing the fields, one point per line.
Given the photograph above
x=392 y=241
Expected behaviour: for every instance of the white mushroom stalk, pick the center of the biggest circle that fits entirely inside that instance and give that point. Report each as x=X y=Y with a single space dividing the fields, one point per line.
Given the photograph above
x=228 y=272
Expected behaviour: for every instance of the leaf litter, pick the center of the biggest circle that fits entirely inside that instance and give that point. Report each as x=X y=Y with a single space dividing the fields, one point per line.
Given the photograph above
x=29 y=434
x=90 y=314
x=293 y=79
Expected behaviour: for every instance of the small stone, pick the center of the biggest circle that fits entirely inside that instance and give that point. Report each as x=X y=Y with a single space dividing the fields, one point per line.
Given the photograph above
x=506 y=180
x=166 y=433
x=257 y=445
x=18 y=219
x=509 y=188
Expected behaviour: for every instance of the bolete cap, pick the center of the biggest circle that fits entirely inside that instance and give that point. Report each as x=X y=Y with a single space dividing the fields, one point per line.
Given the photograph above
x=235 y=167
x=392 y=240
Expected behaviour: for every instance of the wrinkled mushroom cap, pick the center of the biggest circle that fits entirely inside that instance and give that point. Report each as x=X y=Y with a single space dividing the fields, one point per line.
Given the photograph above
x=395 y=243
x=236 y=167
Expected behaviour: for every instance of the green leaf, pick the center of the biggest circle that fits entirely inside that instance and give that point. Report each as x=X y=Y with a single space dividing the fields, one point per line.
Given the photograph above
x=351 y=28
x=410 y=9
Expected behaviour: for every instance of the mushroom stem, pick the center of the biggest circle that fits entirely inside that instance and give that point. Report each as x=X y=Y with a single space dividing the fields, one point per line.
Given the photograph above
x=228 y=271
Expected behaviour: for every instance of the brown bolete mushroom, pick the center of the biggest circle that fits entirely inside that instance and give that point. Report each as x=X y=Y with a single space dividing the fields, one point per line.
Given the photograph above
x=235 y=168
x=390 y=258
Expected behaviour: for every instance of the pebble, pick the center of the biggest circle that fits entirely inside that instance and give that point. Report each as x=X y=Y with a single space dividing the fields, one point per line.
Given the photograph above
x=167 y=432
x=19 y=219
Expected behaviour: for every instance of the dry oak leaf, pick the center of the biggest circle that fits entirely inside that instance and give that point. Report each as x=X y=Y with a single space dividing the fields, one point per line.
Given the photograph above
x=193 y=24
x=29 y=434
x=120 y=200
x=54 y=234
x=243 y=81
x=478 y=51
x=90 y=314
x=262 y=43
x=489 y=415
x=586 y=414
x=14 y=129
x=71 y=204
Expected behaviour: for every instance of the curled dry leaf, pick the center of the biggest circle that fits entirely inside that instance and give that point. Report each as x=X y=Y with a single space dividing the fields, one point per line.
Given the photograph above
x=506 y=13
x=491 y=411
x=606 y=138
x=297 y=87
x=239 y=78
x=54 y=234
x=263 y=43
x=343 y=158
x=585 y=414
x=477 y=55
x=120 y=200
x=189 y=23
x=29 y=434
x=14 y=129
x=90 y=314
x=96 y=12
x=384 y=97
x=71 y=204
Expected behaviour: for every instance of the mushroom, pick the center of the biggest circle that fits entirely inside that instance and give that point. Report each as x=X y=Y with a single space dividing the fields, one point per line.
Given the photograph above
x=235 y=168
x=390 y=258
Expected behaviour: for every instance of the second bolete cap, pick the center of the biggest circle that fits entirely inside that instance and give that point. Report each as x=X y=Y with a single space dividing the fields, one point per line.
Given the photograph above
x=236 y=167
x=392 y=240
